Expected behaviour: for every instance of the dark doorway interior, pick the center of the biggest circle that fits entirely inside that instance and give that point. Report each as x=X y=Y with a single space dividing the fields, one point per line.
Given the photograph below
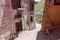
x=19 y=26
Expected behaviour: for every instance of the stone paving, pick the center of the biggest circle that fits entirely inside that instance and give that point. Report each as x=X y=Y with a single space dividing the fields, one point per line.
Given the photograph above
x=53 y=35
x=36 y=34
x=29 y=35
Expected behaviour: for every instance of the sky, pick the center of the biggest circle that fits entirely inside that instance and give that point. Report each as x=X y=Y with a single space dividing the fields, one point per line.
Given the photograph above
x=37 y=0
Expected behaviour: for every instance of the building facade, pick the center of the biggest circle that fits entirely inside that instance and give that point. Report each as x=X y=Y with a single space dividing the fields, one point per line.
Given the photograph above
x=51 y=16
x=15 y=15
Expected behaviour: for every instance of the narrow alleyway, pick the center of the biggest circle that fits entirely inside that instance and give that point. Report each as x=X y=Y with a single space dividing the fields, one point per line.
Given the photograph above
x=29 y=35
x=36 y=34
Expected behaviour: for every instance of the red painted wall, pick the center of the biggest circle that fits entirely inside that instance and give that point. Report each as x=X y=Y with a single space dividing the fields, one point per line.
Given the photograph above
x=51 y=16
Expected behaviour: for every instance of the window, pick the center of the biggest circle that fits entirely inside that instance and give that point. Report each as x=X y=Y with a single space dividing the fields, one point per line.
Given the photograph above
x=31 y=18
x=16 y=4
x=32 y=7
x=56 y=2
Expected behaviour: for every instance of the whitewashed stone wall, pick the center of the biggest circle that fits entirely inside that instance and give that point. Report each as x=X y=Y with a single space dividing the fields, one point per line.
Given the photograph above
x=6 y=19
x=26 y=15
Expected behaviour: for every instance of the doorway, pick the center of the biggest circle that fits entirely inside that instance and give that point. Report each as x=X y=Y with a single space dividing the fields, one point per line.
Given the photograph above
x=19 y=26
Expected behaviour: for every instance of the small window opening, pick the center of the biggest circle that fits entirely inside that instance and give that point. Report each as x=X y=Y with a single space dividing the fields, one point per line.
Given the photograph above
x=16 y=4
x=56 y=2
x=18 y=26
x=31 y=18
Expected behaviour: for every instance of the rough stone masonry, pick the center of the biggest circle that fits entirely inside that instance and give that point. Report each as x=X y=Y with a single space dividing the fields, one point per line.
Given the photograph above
x=7 y=28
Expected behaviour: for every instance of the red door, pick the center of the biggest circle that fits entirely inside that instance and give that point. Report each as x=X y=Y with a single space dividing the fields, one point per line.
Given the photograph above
x=19 y=26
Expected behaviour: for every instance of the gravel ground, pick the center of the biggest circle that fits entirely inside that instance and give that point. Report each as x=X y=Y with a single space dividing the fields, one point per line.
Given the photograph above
x=29 y=35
